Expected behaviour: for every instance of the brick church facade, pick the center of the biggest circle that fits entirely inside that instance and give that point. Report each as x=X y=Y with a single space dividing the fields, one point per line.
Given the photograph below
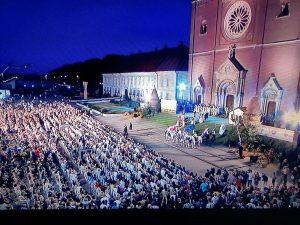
x=246 y=53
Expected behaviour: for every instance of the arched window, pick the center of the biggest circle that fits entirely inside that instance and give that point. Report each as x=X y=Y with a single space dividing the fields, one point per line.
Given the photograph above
x=285 y=9
x=162 y=82
x=167 y=96
x=271 y=96
x=203 y=27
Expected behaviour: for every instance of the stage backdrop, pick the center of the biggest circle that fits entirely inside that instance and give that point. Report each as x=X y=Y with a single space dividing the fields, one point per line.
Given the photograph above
x=168 y=105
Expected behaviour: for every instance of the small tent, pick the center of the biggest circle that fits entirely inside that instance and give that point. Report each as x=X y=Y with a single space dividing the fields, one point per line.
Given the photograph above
x=236 y=116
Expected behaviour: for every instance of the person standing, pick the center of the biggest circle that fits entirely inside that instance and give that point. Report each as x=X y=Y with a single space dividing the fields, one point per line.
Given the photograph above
x=294 y=174
x=130 y=126
x=285 y=172
x=298 y=176
x=264 y=179
x=241 y=151
x=250 y=177
x=256 y=179
x=213 y=136
x=274 y=179
x=125 y=131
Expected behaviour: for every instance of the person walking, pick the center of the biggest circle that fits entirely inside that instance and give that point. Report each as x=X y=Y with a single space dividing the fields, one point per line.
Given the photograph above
x=130 y=126
x=256 y=179
x=250 y=177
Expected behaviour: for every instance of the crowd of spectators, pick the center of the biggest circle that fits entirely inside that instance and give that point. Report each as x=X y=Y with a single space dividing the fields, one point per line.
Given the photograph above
x=55 y=156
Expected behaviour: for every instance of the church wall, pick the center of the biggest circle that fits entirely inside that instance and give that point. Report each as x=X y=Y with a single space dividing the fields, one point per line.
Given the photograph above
x=259 y=49
x=205 y=12
x=254 y=33
x=283 y=61
x=284 y=28
x=250 y=59
x=203 y=65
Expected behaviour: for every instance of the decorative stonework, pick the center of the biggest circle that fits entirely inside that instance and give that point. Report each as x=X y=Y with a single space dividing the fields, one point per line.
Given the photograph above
x=227 y=70
x=230 y=81
x=199 y=89
x=271 y=92
x=237 y=20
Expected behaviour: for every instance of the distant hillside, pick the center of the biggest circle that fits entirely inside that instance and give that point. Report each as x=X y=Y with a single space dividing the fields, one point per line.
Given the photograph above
x=159 y=60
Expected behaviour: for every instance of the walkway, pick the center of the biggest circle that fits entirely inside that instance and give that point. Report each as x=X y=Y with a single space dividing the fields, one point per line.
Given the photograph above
x=196 y=160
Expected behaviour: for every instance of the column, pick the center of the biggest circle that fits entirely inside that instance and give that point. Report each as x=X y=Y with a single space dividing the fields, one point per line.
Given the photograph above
x=85 y=84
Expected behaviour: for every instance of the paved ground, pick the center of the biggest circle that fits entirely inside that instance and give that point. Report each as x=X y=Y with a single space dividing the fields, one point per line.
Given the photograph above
x=196 y=160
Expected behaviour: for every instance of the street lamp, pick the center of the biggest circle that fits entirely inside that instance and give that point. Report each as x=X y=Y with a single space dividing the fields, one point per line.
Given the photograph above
x=182 y=87
x=17 y=67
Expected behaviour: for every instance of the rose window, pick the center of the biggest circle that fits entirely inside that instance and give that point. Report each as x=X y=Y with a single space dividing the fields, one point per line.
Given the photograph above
x=237 y=19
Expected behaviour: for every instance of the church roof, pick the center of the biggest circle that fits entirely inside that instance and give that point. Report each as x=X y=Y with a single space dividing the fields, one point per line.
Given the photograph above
x=167 y=59
x=237 y=64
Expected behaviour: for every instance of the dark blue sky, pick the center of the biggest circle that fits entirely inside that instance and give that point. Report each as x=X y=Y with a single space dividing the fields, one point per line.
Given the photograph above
x=51 y=33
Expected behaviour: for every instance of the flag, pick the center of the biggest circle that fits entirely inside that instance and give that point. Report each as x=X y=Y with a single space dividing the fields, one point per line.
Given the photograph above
x=190 y=128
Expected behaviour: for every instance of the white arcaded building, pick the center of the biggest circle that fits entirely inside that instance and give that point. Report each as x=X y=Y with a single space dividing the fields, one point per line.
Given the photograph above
x=139 y=85
x=164 y=70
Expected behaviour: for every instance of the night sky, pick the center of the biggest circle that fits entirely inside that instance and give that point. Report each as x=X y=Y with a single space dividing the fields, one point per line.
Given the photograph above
x=51 y=33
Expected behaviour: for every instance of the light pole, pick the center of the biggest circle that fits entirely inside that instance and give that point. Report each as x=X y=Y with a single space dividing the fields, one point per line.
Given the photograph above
x=101 y=89
x=182 y=87
x=17 y=67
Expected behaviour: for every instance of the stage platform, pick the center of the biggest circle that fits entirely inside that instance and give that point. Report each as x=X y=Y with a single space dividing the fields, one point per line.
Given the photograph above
x=210 y=119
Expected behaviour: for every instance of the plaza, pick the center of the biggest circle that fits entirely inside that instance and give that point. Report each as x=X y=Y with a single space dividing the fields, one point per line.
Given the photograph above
x=108 y=122
x=197 y=160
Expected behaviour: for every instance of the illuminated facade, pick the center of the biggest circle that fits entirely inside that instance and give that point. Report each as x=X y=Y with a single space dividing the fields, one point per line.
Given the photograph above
x=139 y=85
x=246 y=53
x=137 y=75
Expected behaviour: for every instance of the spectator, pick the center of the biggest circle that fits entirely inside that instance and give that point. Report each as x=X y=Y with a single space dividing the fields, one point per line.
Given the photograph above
x=58 y=157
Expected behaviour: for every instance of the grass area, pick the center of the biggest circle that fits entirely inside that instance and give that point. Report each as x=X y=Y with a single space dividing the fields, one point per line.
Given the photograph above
x=109 y=108
x=201 y=127
x=163 y=118
x=168 y=119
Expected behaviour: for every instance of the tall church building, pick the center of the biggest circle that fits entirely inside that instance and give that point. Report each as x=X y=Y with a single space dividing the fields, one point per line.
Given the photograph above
x=246 y=53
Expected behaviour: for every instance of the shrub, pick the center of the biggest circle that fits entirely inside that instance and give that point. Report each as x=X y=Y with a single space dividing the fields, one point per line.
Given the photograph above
x=231 y=137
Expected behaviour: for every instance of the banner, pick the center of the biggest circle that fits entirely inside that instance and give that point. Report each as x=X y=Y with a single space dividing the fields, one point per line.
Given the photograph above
x=168 y=105
x=278 y=133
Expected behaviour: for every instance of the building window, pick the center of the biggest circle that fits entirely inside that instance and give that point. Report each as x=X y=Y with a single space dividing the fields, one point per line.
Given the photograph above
x=203 y=27
x=167 y=96
x=237 y=20
x=285 y=9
